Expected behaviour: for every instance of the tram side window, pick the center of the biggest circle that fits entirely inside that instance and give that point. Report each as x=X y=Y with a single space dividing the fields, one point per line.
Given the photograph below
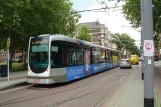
x=71 y=55
x=108 y=56
x=94 y=55
x=87 y=56
x=57 y=55
x=114 y=57
x=102 y=56
x=80 y=56
x=74 y=55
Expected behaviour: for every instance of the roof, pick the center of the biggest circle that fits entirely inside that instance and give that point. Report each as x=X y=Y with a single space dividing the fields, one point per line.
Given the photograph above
x=91 y=24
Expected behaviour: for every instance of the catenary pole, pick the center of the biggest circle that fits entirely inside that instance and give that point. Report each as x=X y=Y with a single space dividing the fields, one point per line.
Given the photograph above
x=148 y=54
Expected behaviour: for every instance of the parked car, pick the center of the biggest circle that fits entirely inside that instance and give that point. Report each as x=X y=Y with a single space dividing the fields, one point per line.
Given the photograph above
x=156 y=58
x=125 y=63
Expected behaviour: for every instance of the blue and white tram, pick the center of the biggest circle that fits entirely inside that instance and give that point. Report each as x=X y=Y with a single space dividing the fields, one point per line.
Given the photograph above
x=59 y=58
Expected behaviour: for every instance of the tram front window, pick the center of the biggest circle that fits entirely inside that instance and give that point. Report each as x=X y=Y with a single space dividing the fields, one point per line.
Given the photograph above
x=38 y=56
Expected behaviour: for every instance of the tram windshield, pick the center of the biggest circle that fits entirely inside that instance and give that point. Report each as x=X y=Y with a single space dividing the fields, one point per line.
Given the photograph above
x=38 y=55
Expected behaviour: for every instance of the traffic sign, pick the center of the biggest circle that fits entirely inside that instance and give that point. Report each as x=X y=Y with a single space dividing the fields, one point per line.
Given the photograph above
x=8 y=42
x=148 y=48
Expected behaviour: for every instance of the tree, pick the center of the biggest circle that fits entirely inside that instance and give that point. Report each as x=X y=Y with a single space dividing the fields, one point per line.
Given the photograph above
x=133 y=14
x=22 y=19
x=117 y=41
x=84 y=33
x=125 y=42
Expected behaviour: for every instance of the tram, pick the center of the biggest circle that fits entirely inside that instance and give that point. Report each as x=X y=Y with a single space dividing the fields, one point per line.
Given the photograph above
x=58 y=58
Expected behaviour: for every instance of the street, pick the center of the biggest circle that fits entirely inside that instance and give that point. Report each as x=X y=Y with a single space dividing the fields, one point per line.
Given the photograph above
x=97 y=90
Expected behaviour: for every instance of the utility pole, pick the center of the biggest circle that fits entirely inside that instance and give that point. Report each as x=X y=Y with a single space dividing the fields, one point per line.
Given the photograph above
x=148 y=54
x=142 y=39
x=8 y=58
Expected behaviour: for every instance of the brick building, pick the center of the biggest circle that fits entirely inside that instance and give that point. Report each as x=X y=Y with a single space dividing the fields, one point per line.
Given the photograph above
x=101 y=34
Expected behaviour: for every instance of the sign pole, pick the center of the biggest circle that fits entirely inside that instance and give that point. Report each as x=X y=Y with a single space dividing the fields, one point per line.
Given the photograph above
x=148 y=54
x=8 y=45
x=142 y=40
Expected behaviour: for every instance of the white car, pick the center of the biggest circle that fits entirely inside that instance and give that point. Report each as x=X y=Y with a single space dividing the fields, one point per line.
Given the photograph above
x=125 y=63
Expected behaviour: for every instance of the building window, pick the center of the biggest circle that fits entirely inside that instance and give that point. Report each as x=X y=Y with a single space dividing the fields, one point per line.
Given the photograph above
x=102 y=35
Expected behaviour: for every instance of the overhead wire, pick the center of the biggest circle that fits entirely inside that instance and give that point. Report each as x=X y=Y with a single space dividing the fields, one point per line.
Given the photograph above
x=104 y=9
x=93 y=10
x=90 y=5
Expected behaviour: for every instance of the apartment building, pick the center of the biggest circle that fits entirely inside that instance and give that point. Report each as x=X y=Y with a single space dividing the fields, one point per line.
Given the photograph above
x=101 y=34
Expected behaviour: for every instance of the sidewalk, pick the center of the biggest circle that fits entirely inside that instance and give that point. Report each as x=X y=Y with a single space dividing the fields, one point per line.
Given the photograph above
x=157 y=82
x=15 y=79
x=129 y=93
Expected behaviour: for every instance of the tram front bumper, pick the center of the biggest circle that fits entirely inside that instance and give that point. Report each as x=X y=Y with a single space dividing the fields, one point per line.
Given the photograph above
x=40 y=80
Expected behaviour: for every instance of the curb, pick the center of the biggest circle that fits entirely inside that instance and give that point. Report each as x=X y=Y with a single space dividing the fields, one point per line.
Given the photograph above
x=12 y=85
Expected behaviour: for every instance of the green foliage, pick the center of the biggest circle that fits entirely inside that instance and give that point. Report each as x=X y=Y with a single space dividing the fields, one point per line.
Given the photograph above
x=22 y=19
x=117 y=41
x=124 y=41
x=3 y=43
x=84 y=33
x=18 y=67
x=133 y=14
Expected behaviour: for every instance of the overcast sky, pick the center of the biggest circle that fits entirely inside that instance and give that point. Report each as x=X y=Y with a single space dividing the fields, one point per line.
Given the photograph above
x=114 y=20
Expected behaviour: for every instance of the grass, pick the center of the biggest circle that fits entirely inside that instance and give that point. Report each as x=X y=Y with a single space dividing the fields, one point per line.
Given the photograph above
x=3 y=63
x=16 y=66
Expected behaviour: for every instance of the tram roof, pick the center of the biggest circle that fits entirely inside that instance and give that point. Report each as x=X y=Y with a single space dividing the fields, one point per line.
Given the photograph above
x=68 y=39
x=73 y=40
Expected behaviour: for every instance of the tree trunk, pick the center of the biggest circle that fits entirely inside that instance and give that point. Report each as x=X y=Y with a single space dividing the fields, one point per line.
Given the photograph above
x=22 y=56
x=25 y=57
x=11 y=51
x=10 y=61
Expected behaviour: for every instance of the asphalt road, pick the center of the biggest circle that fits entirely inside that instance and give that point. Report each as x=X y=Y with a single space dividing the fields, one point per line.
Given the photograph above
x=87 y=92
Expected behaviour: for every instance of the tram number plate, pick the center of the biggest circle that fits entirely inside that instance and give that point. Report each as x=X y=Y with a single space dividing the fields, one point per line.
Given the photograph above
x=36 y=81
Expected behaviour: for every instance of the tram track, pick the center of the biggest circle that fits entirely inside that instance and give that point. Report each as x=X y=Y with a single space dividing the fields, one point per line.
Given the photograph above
x=12 y=101
x=112 y=86
x=70 y=89
x=76 y=88
x=108 y=93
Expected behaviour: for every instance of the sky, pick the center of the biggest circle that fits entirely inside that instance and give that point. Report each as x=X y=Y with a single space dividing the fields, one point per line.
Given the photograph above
x=113 y=19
